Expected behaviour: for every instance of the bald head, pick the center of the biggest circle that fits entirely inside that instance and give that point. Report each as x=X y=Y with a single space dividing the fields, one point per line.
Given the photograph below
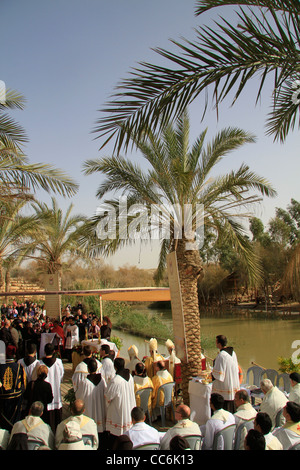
x=77 y=407
x=184 y=411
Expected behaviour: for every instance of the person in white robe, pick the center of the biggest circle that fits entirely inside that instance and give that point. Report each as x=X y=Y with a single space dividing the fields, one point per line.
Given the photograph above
x=171 y=358
x=30 y=361
x=225 y=373
x=81 y=370
x=183 y=427
x=34 y=426
x=87 y=426
x=133 y=353
x=244 y=412
x=91 y=391
x=289 y=433
x=72 y=337
x=54 y=377
x=141 y=433
x=120 y=400
x=294 y=394
x=108 y=369
x=273 y=401
x=263 y=424
x=220 y=419
x=72 y=437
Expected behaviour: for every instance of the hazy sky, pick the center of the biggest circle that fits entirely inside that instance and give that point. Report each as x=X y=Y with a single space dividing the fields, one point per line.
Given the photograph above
x=66 y=57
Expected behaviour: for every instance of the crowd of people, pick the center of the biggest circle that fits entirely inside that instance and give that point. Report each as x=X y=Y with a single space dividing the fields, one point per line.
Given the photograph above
x=106 y=412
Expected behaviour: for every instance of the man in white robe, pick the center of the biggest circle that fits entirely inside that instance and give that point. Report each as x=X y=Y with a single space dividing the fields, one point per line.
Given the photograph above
x=91 y=391
x=244 y=412
x=120 y=399
x=81 y=370
x=295 y=387
x=54 y=377
x=183 y=427
x=263 y=424
x=34 y=426
x=30 y=361
x=220 y=419
x=274 y=400
x=289 y=433
x=225 y=373
x=72 y=336
x=87 y=426
x=141 y=433
x=108 y=369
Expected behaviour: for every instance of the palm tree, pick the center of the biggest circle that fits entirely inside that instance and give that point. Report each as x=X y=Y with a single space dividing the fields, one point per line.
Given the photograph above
x=14 y=228
x=178 y=182
x=17 y=176
x=55 y=236
x=225 y=57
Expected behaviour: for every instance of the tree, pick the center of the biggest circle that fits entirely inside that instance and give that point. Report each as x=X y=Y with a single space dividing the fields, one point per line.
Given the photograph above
x=178 y=181
x=225 y=57
x=18 y=177
x=55 y=236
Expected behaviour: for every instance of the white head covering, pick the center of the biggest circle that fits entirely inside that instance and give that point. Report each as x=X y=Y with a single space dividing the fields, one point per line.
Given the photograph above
x=153 y=347
x=133 y=351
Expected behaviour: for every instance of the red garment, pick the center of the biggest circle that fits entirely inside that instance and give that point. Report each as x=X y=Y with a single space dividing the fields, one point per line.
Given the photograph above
x=58 y=330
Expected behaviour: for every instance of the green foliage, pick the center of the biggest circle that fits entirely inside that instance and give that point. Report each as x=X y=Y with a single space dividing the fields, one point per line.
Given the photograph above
x=287 y=365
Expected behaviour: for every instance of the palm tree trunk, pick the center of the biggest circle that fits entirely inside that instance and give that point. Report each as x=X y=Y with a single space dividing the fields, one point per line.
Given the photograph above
x=190 y=269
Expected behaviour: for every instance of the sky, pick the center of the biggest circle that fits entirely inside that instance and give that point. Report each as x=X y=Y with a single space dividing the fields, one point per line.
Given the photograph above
x=67 y=56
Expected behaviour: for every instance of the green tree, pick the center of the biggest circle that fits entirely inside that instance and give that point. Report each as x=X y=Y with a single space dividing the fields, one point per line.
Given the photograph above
x=180 y=176
x=55 y=236
x=263 y=40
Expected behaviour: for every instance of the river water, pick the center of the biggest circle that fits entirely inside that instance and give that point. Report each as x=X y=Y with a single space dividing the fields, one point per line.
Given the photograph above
x=254 y=340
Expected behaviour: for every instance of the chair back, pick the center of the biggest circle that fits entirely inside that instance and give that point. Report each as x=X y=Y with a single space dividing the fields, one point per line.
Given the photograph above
x=295 y=446
x=167 y=389
x=147 y=446
x=88 y=439
x=227 y=436
x=255 y=371
x=279 y=419
x=285 y=378
x=271 y=374
x=194 y=440
x=144 y=394
x=34 y=444
x=245 y=425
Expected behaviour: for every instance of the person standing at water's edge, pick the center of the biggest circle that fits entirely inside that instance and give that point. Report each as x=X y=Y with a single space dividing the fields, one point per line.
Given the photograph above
x=225 y=373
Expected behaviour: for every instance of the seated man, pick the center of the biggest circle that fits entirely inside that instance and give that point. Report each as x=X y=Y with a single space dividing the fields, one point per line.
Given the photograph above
x=35 y=427
x=289 y=433
x=273 y=401
x=263 y=424
x=219 y=420
x=183 y=427
x=140 y=432
x=255 y=440
x=244 y=412
x=87 y=425
x=161 y=377
x=72 y=437
x=295 y=387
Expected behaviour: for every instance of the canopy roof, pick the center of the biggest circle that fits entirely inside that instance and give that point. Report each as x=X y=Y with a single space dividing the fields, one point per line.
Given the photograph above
x=130 y=294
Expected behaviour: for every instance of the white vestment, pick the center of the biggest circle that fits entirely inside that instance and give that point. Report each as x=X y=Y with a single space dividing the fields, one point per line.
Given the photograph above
x=121 y=399
x=295 y=394
x=29 y=369
x=182 y=428
x=142 y=433
x=94 y=400
x=108 y=369
x=226 y=375
x=54 y=377
x=88 y=427
x=220 y=419
x=35 y=428
x=243 y=414
x=81 y=371
x=72 y=336
x=272 y=443
x=273 y=401
x=288 y=434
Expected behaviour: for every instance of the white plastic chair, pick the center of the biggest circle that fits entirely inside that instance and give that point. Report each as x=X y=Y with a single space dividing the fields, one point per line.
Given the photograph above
x=249 y=424
x=194 y=440
x=167 y=390
x=144 y=394
x=147 y=446
x=227 y=436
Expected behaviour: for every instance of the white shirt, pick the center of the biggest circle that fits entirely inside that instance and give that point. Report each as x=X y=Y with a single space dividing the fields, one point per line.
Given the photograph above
x=220 y=419
x=142 y=433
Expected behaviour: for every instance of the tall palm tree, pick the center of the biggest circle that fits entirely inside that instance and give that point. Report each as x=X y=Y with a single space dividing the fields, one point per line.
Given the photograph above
x=179 y=182
x=55 y=236
x=224 y=58
x=18 y=177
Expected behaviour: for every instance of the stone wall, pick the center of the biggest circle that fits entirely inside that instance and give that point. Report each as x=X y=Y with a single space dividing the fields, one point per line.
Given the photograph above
x=21 y=285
